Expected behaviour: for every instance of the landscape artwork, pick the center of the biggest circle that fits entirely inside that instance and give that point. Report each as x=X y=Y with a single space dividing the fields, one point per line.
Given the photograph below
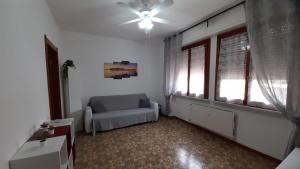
x=120 y=70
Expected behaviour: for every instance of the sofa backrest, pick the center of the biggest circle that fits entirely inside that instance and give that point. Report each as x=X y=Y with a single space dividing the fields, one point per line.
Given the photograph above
x=117 y=102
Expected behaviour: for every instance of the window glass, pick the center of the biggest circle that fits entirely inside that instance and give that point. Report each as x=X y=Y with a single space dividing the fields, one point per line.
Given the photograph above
x=197 y=71
x=231 y=69
x=235 y=69
x=191 y=79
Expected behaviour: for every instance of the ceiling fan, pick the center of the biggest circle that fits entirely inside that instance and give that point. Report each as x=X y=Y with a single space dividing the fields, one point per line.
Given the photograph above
x=146 y=12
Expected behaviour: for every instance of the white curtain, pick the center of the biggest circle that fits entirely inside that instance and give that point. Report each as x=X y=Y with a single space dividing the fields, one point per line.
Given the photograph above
x=181 y=85
x=173 y=60
x=273 y=27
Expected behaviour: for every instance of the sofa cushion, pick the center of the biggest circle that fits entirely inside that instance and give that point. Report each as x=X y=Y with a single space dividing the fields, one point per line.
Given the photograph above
x=97 y=106
x=144 y=103
x=122 y=118
x=118 y=102
x=122 y=113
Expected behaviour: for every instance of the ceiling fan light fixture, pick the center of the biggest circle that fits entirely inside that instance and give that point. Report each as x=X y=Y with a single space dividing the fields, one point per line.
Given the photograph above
x=146 y=13
x=146 y=24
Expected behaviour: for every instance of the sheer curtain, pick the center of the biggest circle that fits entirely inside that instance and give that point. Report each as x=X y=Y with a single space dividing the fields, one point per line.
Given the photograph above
x=172 y=65
x=182 y=75
x=255 y=95
x=273 y=27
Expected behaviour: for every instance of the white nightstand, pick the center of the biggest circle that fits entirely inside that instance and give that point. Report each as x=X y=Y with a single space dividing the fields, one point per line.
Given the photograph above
x=33 y=155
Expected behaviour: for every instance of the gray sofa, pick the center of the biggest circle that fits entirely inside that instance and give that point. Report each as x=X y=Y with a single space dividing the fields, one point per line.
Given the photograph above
x=110 y=112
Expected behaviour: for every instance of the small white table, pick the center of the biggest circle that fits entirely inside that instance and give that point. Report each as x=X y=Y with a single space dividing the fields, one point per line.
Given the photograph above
x=32 y=155
x=292 y=161
x=67 y=122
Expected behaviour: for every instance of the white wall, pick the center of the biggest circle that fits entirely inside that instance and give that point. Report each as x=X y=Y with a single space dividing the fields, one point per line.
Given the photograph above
x=228 y=20
x=24 y=93
x=257 y=129
x=90 y=52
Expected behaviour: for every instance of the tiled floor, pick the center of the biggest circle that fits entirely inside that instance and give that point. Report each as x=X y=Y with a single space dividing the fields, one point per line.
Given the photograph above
x=169 y=143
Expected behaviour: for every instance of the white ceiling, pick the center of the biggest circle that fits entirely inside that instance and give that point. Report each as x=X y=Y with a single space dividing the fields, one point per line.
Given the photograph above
x=102 y=17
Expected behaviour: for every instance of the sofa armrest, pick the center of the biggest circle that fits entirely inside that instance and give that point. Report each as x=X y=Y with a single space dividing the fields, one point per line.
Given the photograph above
x=88 y=117
x=155 y=106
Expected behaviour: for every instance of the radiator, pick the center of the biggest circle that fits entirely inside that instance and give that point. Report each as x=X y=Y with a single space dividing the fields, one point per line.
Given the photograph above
x=215 y=119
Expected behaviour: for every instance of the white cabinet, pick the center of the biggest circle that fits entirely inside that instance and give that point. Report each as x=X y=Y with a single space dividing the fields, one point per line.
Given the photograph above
x=292 y=161
x=32 y=155
x=65 y=122
x=71 y=162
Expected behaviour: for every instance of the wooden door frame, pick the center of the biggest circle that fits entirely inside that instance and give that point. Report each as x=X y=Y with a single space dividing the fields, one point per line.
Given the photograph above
x=50 y=46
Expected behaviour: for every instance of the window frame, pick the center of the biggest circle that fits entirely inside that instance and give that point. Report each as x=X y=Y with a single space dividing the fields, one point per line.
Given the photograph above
x=247 y=67
x=206 y=44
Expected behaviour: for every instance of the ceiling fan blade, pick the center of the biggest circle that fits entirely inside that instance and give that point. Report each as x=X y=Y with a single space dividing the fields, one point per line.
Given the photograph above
x=130 y=8
x=158 y=7
x=160 y=20
x=131 y=21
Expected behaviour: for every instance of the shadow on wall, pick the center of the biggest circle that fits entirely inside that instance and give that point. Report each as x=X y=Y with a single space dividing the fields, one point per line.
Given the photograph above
x=78 y=119
x=84 y=102
x=78 y=115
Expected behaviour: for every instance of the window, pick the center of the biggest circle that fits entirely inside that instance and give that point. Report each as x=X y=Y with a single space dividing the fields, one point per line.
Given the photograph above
x=193 y=77
x=235 y=78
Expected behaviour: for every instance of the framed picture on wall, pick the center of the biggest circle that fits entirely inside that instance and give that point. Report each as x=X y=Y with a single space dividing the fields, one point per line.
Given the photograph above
x=120 y=70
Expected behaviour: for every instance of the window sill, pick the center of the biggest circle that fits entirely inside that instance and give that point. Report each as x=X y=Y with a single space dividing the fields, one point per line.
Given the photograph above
x=232 y=107
x=193 y=98
x=248 y=108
